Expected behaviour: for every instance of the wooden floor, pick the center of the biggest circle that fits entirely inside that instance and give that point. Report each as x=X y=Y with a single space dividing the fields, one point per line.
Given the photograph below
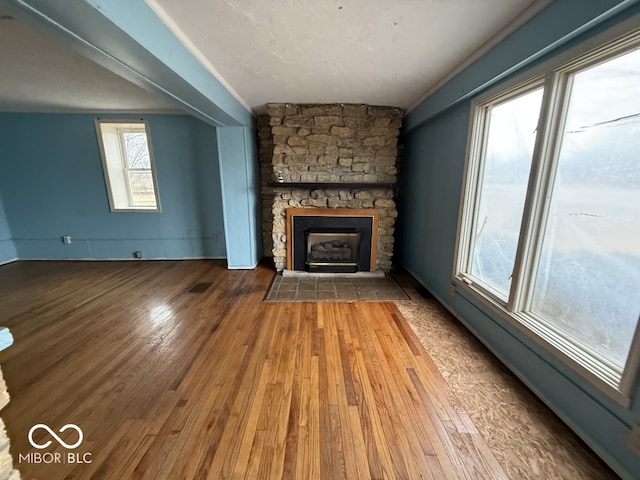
x=167 y=384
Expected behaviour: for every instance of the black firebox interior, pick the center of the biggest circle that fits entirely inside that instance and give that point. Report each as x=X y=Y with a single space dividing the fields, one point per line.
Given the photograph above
x=339 y=244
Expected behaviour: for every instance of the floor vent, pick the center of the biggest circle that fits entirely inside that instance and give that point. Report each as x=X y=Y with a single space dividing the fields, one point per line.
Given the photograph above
x=199 y=287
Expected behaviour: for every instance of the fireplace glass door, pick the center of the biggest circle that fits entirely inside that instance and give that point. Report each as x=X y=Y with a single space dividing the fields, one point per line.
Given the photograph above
x=332 y=250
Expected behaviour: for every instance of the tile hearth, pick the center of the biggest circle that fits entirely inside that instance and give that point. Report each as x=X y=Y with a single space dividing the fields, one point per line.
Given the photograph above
x=309 y=288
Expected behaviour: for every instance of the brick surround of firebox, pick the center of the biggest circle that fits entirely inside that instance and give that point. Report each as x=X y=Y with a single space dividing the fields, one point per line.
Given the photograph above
x=328 y=156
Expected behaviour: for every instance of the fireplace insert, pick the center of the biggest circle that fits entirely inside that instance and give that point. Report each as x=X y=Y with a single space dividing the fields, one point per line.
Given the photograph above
x=331 y=243
x=332 y=250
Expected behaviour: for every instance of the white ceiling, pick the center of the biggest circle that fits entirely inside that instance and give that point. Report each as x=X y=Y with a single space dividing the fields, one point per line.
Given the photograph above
x=42 y=74
x=380 y=52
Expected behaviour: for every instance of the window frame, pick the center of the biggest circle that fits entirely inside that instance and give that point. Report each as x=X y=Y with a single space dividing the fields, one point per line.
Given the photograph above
x=555 y=76
x=142 y=126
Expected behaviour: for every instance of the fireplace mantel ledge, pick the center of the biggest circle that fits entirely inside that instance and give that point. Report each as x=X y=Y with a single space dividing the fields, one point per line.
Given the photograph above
x=312 y=185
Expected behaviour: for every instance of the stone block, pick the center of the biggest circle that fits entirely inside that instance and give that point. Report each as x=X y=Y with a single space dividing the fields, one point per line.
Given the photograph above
x=358 y=122
x=384 y=160
x=318 y=193
x=348 y=143
x=362 y=195
x=279 y=130
x=388 y=169
x=360 y=167
x=279 y=139
x=365 y=151
x=286 y=149
x=314 y=202
x=275 y=109
x=386 y=238
x=345 y=162
x=323 y=177
x=298 y=193
x=275 y=121
x=321 y=109
x=331 y=150
x=320 y=168
x=396 y=122
x=296 y=142
x=342 y=132
x=353 y=177
x=384 y=131
x=298 y=121
x=326 y=120
x=321 y=138
x=386 y=222
x=382 y=122
x=363 y=159
x=300 y=159
x=358 y=111
x=378 y=141
x=311 y=110
x=303 y=132
x=379 y=111
x=336 y=203
x=317 y=148
x=345 y=195
x=328 y=159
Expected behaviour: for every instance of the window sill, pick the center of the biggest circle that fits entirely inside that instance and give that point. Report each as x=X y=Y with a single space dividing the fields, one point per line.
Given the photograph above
x=603 y=377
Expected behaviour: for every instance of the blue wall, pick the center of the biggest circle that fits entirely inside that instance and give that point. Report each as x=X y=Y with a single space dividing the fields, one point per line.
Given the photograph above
x=7 y=248
x=241 y=195
x=52 y=185
x=431 y=182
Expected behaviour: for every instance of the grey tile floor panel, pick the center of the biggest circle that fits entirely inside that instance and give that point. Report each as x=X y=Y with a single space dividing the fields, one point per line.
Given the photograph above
x=305 y=289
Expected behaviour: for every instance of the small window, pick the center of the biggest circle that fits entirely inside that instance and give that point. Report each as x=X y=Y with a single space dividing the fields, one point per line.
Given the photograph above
x=128 y=165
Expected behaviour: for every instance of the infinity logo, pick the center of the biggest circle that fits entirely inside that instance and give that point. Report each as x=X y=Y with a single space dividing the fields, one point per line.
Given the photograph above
x=60 y=441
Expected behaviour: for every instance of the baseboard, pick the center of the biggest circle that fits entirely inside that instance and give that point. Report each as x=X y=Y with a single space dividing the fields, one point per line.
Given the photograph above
x=10 y=260
x=115 y=259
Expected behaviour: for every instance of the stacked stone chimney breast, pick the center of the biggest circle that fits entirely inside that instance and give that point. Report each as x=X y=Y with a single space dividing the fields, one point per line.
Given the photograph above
x=343 y=145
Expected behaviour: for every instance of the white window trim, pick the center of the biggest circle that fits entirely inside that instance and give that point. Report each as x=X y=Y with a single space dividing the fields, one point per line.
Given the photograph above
x=554 y=73
x=105 y=169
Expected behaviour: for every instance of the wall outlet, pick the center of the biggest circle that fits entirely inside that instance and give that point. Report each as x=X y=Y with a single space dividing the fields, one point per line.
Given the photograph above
x=633 y=439
x=214 y=237
x=137 y=254
x=66 y=239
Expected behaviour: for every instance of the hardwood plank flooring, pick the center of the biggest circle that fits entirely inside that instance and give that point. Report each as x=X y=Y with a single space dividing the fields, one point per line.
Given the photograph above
x=169 y=384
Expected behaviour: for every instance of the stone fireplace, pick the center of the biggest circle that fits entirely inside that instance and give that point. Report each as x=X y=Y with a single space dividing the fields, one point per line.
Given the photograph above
x=333 y=158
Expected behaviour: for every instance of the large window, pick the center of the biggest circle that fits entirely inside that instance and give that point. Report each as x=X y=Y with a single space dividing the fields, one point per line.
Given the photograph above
x=128 y=165
x=550 y=225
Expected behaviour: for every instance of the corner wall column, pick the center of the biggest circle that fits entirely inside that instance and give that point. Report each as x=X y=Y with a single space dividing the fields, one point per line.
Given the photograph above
x=240 y=195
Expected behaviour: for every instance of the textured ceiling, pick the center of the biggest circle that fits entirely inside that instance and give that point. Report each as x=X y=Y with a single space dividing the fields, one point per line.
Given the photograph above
x=380 y=52
x=42 y=74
